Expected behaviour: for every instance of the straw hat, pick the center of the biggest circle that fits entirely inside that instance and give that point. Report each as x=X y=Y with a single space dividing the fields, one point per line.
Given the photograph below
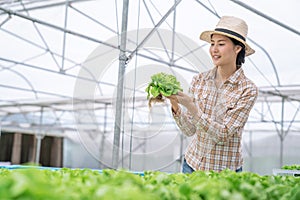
x=231 y=27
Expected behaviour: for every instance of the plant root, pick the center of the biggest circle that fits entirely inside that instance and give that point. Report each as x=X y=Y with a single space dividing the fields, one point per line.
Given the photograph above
x=158 y=99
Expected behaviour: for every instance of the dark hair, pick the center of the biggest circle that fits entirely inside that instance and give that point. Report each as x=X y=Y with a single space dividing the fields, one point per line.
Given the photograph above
x=240 y=59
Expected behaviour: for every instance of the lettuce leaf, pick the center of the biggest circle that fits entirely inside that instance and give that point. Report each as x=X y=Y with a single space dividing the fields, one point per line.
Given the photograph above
x=162 y=84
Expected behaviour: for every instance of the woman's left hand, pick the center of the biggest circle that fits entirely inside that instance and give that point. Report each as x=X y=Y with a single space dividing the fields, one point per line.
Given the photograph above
x=186 y=101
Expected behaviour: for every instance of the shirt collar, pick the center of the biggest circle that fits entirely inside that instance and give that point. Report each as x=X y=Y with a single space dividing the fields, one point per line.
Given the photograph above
x=234 y=78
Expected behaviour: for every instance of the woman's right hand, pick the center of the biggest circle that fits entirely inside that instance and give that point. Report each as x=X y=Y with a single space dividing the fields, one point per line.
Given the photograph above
x=183 y=99
x=174 y=102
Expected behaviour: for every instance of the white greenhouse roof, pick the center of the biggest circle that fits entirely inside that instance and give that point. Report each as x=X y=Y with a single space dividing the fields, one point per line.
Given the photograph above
x=55 y=52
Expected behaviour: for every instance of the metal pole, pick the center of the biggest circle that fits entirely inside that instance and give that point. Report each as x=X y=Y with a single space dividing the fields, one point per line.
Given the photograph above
x=64 y=38
x=154 y=29
x=282 y=132
x=122 y=65
x=39 y=136
x=181 y=153
x=251 y=157
x=10 y=12
x=266 y=17
x=103 y=137
x=38 y=148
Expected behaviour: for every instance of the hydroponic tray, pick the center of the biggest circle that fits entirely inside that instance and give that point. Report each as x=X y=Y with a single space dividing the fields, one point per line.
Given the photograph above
x=286 y=172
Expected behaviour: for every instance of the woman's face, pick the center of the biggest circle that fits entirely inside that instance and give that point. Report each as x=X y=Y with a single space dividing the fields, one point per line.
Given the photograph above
x=222 y=50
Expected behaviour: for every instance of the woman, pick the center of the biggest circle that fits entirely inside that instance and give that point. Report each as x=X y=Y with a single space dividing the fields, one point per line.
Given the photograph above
x=221 y=101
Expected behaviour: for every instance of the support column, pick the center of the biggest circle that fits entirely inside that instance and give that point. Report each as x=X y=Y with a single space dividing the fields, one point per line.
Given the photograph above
x=282 y=132
x=56 y=152
x=38 y=139
x=16 y=149
x=119 y=104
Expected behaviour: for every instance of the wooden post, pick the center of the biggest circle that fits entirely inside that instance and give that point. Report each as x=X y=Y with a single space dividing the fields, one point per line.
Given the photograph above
x=56 y=152
x=16 y=149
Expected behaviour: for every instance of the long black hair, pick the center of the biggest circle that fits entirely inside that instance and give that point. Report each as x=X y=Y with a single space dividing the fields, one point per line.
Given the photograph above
x=240 y=59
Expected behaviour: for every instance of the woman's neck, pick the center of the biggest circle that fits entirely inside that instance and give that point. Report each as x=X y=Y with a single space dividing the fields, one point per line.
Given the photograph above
x=223 y=73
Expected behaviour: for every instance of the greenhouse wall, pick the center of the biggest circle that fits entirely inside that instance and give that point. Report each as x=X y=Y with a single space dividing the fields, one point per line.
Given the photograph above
x=261 y=155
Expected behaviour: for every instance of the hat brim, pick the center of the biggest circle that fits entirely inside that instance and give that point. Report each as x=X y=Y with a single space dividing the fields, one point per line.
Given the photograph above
x=206 y=36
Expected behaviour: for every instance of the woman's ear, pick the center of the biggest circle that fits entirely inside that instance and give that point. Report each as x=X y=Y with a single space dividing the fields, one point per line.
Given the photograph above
x=238 y=48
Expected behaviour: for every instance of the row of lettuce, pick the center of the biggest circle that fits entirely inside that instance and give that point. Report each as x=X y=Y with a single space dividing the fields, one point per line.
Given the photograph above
x=87 y=184
x=291 y=167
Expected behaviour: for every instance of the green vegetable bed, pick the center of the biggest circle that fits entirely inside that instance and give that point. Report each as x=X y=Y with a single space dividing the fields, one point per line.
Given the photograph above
x=65 y=183
x=291 y=167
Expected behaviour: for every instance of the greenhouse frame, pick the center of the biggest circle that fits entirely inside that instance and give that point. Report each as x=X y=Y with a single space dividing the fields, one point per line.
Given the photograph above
x=73 y=77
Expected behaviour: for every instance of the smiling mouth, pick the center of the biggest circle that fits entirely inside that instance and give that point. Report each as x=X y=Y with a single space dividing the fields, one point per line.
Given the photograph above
x=216 y=57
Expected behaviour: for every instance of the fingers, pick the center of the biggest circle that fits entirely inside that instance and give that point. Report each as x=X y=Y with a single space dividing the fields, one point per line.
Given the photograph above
x=180 y=98
x=172 y=97
x=180 y=93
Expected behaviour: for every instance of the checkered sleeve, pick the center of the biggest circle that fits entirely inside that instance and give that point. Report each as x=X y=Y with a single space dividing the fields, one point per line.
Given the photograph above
x=183 y=121
x=234 y=119
x=183 y=118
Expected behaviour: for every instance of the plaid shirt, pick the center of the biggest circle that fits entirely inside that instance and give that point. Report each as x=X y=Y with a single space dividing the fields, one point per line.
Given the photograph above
x=217 y=128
